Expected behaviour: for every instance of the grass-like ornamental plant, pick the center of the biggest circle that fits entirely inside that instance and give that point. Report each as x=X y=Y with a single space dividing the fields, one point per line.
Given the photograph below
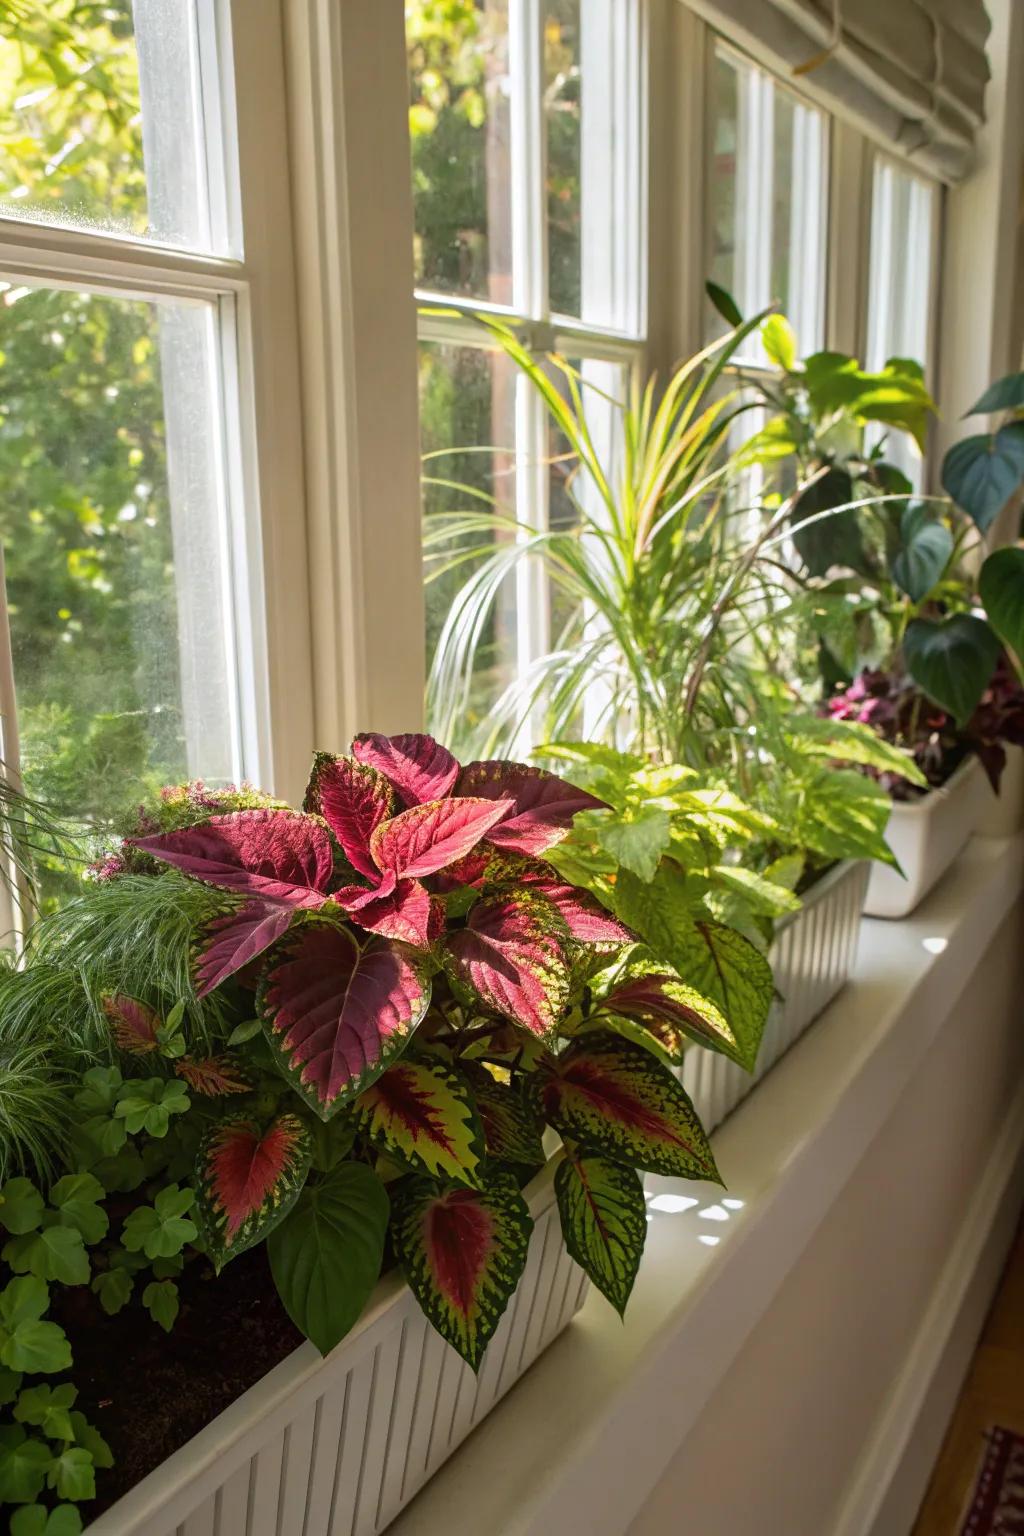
x=341 y=1032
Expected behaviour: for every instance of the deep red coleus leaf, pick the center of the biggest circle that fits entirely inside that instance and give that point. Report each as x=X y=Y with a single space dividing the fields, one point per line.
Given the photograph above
x=236 y=940
x=513 y=954
x=337 y=1014
x=215 y=1077
x=417 y=766
x=408 y=913
x=543 y=809
x=424 y=839
x=463 y=1251
x=133 y=1024
x=353 y=799
x=279 y=856
x=248 y=1179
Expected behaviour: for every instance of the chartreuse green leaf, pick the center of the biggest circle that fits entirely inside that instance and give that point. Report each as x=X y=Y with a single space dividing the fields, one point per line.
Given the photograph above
x=615 y=1098
x=163 y=1228
x=952 y=661
x=27 y=1342
x=779 y=342
x=462 y=1252
x=423 y=1112
x=249 y=1178
x=148 y=1104
x=91 y=1440
x=24 y=1463
x=636 y=839
x=1001 y=585
x=36 y=1520
x=326 y=1256
x=604 y=1222
x=843 y=814
x=847 y=741
x=759 y=893
x=21 y=1206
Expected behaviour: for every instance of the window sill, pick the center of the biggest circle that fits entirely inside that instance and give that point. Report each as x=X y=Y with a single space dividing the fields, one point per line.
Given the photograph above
x=581 y=1441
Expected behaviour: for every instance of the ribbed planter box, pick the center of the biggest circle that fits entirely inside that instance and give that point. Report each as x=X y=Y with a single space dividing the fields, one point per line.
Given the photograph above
x=1002 y=815
x=812 y=956
x=340 y=1445
x=926 y=835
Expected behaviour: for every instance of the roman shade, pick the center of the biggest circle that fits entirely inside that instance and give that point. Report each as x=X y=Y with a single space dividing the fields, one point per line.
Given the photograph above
x=910 y=73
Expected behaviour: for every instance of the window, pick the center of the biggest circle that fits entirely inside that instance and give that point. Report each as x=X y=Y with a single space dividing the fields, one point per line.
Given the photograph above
x=134 y=511
x=526 y=124
x=903 y=214
x=767 y=205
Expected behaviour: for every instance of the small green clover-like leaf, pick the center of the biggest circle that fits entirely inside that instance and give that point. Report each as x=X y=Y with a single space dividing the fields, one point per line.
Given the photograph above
x=160 y=1299
x=107 y=1135
x=73 y=1474
x=27 y=1343
x=55 y=1253
x=92 y=1441
x=114 y=1288
x=10 y=1385
x=166 y=1269
x=162 y=1229
x=99 y=1090
x=21 y=1206
x=49 y=1409
x=76 y=1198
x=24 y=1461
x=121 y=1172
x=36 y=1520
x=148 y=1105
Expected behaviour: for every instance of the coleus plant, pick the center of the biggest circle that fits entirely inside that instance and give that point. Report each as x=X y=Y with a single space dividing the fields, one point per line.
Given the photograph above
x=417 y=994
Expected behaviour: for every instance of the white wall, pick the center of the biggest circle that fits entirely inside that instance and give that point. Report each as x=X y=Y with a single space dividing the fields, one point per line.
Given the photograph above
x=779 y=1444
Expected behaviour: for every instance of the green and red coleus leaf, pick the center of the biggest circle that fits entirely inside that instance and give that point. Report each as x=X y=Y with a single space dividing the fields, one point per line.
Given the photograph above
x=543 y=805
x=278 y=856
x=215 y=1077
x=586 y=919
x=463 y=1252
x=512 y=1132
x=234 y=941
x=423 y=1112
x=337 y=1013
x=673 y=1013
x=133 y=1024
x=514 y=954
x=416 y=766
x=615 y=1098
x=604 y=1222
x=248 y=1178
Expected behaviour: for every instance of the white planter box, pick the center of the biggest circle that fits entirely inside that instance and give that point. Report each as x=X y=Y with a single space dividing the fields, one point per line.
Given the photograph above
x=812 y=956
x=1002 y=815
x=340 y=1445
x=926 y=835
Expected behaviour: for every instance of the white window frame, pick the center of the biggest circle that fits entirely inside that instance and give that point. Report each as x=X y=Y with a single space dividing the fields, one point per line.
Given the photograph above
x=254 y=298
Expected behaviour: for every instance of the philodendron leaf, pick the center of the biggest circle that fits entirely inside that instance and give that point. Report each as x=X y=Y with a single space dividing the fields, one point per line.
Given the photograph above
x=674 y=1013
x=604 y=1222
x=921 y=562
x=235 y=940
x=1005 y=394
x=982 y=472
x=415 y=765
x=280 y=856
x=511 y=1129
x=248 y=1177
x=952 y=661
x=423 y=1112
x=326 y=1257
x=462 y=1252
x=614 y=1098
x=133 y=1024
x=543 y=805
x=336 y=1014
x=1001 y=585
x=513 y=953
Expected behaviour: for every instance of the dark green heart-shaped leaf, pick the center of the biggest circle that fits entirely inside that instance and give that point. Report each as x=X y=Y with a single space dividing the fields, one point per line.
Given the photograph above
x=724 y=303
x=1001 y=585
x=922 y=560
x=982 y=472
x=604 y=1222
x=952 y=661
x=1006 y=394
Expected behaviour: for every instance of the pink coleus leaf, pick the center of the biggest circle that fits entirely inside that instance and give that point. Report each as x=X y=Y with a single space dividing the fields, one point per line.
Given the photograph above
x=279 y=856
x=582 y=914
x=337 y=1014
x=237 y=939
x=133 y=1024
x=425 y=838
x=353 y=799
x=513 y=954
x=408 y=913
x=418 y=767
x=543 y=804
x=214 y=1077
x=248 y=1178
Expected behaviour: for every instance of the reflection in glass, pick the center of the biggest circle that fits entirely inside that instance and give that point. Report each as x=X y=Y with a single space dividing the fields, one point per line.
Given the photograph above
x=562 y=108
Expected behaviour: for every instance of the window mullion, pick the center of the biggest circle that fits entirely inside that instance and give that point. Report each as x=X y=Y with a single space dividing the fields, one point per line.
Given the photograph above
x=529 y=159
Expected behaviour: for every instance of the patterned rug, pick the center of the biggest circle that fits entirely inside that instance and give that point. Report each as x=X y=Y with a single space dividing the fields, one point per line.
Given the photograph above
x=997 y=1504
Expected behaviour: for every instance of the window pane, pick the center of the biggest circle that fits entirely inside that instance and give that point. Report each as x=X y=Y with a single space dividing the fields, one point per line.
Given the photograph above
x=562 y=107
x=459 y=122
x=116 y=547
x=101 y=122
x=767 y=200
x=467 y=435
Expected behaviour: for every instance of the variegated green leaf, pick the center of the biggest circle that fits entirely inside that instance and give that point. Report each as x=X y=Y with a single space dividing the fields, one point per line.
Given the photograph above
x=604 y=1222
x=423 y=1111
x=511 y=1129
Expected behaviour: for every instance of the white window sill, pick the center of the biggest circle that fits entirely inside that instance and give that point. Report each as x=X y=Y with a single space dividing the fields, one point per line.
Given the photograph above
x=580 y=1442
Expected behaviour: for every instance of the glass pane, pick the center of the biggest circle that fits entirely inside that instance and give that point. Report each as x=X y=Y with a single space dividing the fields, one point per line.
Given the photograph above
x=459 y=122
x=115 y=543
x=467 y=436
x=101 y=118
x=767 y=204
x=562 y=103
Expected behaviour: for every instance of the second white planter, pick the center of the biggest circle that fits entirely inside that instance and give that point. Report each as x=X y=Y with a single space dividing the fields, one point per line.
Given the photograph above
x=926 y=835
